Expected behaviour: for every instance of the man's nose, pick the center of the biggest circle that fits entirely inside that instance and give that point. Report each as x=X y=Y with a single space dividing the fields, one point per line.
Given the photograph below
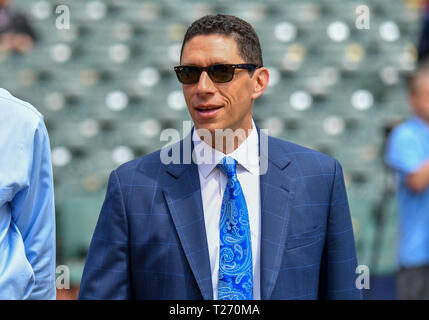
x=205 y=84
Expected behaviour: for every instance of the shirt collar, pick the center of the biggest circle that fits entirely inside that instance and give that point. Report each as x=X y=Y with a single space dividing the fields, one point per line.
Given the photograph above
x=246 y=154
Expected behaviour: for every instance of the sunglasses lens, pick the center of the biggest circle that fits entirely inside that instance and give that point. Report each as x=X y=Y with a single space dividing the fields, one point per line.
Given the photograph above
x=221 y=73
x=218 y=73
x=188 y=75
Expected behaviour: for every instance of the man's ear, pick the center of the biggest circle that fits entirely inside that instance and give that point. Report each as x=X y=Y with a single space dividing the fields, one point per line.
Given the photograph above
x=261 y=77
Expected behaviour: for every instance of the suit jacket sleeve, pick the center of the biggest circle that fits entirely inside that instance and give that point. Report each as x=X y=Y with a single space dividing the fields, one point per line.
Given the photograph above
x=106 y=272
x=339 y=261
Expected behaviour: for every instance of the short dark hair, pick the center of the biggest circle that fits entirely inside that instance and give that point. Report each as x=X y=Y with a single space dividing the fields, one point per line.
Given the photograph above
x=243 y=33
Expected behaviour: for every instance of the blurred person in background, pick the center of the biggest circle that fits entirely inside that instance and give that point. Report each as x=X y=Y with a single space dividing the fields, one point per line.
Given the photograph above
x=423 y=47
x=16 y=33
x=27 y=215
x=408 y=154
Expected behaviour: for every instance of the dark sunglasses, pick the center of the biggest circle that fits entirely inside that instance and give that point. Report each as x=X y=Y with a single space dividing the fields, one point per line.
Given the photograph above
x=219 y=73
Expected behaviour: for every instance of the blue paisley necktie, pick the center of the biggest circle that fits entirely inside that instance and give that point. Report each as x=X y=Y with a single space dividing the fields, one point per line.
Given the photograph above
x=235 y=260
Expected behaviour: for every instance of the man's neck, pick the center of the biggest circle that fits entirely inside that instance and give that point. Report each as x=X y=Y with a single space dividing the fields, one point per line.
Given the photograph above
x=227 y=140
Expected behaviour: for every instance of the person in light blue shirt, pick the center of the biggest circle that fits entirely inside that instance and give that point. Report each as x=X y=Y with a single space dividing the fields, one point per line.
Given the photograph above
x=408 y=154
x=27 y=215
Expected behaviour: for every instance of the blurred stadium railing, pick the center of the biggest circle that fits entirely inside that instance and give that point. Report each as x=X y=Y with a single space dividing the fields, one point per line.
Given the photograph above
x=107 y=89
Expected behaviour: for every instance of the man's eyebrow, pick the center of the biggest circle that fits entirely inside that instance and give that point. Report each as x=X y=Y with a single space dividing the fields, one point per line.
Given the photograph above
x=189 y=64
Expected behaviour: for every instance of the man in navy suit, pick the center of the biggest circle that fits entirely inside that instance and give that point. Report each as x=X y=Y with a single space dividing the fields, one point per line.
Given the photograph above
x=157 y=236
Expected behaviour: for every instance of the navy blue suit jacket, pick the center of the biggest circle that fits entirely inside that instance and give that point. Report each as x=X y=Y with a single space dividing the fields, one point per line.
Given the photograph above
x=150 y=240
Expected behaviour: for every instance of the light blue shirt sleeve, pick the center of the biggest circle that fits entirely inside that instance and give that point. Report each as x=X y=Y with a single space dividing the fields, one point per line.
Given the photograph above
x=27 y=214
x=405 y=152
x=33 y=213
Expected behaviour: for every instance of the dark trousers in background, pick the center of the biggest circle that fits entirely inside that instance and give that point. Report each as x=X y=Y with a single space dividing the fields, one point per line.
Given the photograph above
x=413 y=283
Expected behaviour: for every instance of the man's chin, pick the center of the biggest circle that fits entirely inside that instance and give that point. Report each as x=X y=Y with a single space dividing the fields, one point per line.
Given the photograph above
x=211 y=127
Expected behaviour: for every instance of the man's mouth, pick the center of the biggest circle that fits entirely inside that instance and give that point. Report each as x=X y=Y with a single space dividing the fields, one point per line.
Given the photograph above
x=208 y=108
x=207 y=111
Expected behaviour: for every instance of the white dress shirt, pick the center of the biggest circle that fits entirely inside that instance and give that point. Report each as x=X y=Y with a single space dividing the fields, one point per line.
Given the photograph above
x=213 y=183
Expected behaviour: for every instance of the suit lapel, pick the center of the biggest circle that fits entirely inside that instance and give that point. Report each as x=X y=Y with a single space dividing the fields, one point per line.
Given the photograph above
x=185 y=204
x=277 y=193
x=184 y=201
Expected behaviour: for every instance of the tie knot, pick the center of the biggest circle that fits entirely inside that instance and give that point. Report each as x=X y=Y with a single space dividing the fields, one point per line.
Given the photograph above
x=229 y=166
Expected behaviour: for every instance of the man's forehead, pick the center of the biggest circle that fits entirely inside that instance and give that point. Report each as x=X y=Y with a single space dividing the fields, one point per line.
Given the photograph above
x=214 y=48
